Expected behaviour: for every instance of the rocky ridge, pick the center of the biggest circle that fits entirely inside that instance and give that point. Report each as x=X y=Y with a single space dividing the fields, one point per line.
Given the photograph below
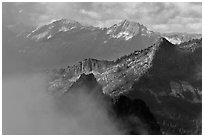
x=160 y=75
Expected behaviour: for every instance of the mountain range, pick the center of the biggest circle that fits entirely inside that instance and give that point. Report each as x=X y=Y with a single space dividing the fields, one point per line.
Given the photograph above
x=152 y=76
x=125 y=30
x=67 y=41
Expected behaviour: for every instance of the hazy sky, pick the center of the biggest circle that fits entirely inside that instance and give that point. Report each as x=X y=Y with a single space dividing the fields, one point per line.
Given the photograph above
x=162 y=17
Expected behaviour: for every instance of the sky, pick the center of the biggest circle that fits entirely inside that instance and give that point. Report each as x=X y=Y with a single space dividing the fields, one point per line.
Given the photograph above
x=157 y=16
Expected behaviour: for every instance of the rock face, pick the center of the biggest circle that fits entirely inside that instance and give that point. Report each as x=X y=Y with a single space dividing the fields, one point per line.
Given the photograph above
x=88 y=65
x=165 y=76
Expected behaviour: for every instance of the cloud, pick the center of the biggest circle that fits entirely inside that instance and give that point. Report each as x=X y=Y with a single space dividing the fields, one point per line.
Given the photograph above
x=153 y=15
x=28 y=108
x=90 y=13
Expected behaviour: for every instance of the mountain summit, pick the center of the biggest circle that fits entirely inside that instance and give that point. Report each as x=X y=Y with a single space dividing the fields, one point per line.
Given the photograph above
x=61 y=42
x=49 y=30
x=127 y=30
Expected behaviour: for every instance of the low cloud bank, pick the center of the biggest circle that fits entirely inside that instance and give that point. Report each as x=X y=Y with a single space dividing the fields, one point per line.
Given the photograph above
x=28 y=108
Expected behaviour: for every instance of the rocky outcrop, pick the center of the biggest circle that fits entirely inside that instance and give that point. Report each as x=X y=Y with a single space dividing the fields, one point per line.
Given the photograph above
x=87 y=66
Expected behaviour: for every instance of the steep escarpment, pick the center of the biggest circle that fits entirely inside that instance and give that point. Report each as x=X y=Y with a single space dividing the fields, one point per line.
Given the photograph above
x=172 y=61
x=173 y=67
x=172 y=87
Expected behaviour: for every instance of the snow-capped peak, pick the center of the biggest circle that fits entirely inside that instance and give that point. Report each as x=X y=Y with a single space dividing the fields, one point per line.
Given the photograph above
x=49 y=30
x=127 y=30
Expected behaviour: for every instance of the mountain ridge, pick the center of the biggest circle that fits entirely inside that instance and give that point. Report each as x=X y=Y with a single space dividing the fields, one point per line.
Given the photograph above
x=97 y=67
x=58 y=43
x=124 y=29
x=165 y=76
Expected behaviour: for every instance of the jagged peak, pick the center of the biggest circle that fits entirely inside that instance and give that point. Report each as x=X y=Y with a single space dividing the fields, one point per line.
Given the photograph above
x=127 y=29
x=128 y=22
x=125 y=23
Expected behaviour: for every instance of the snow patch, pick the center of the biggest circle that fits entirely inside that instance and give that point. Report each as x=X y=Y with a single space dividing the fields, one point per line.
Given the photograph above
x=109 y=31
x=41 y=35
x=33 y=31
x=64 y=29
x=124 y=34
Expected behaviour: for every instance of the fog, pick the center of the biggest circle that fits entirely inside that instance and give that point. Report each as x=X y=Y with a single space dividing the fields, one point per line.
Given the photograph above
x=28 y=108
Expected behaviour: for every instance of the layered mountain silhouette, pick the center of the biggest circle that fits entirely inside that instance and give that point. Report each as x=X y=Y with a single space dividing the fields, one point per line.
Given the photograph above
x=146 y=75
x=165 y=76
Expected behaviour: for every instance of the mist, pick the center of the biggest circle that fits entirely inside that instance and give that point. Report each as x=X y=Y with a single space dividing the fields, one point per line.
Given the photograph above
x=28 y=108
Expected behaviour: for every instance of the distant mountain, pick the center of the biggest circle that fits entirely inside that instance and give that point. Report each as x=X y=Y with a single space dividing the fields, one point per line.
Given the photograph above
x=48 y=31
x=127 y=30
x=178 y=38
x=165 y=76
x=67 y=41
